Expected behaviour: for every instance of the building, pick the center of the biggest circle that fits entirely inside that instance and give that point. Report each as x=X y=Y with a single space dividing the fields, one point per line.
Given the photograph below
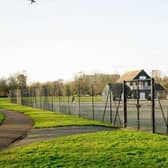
x=160 y=91
x=140 y=80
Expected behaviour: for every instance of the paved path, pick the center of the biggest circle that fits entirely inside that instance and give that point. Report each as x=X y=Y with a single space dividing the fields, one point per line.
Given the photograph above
x=15 y=127
x=47 y=133
x=17 y=130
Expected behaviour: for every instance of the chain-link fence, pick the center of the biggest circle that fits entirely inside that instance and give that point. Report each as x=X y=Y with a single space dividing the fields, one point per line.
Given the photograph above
x=140 y=107
x=94 y=107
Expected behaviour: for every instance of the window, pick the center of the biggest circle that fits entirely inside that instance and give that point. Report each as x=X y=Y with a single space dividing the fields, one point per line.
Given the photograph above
x=128 y=83
x=146 y=84
x=142 y=77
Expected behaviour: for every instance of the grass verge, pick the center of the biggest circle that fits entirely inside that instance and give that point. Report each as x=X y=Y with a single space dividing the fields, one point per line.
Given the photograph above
x=2 y=118
x=128 y=149
x=44 y=119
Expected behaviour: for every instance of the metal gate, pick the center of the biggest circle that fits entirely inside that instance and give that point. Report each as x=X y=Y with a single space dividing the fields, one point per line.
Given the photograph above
x=139 y=104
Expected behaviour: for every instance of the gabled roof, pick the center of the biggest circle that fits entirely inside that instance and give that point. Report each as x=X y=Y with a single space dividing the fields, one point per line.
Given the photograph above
x=129 y=76
x=159 y=87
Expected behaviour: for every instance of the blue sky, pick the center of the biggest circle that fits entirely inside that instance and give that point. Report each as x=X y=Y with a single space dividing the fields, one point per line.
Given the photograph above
x=54 y=39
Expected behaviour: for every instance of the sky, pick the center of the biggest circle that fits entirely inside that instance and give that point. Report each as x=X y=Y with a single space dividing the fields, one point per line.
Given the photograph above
x=54 y=39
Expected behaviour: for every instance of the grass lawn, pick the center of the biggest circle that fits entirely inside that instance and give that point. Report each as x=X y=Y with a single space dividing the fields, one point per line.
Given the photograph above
x=43 y=119
x=121 y=149
x=1 y=118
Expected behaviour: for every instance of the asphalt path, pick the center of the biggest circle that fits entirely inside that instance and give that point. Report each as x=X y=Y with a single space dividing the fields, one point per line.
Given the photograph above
x=17 y=130
x=37 y=135
x=15 y=127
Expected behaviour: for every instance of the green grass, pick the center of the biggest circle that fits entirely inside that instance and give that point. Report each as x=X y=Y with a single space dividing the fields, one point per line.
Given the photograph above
x=43 y=119
x=118 y=149
x=2 y=117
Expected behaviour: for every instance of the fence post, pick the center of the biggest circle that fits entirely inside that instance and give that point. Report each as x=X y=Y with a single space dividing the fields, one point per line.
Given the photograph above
x=93 y=101
x=45 y=97
x=138 y=105
x=153 y=104
x=28 y=97
x=59 y=99
x=22 y=96
x=125 y=104
x=48 y=98
x=69 y=102
x=55 y=99
x=31 y=93
x=10 y=96
x=18 y=92
x=110 y=106
x=35 y=97
x=79 y=100
x=167 y=122
x=52 y=99
x=40 y=97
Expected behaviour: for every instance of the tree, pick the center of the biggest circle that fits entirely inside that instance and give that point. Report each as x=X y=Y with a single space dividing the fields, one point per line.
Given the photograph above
x=12 y=83
x=3 y=87
x=22 y=81
x=67 y=89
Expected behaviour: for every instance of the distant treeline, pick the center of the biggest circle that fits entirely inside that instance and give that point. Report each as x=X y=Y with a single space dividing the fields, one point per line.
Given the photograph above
x=85 y=84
